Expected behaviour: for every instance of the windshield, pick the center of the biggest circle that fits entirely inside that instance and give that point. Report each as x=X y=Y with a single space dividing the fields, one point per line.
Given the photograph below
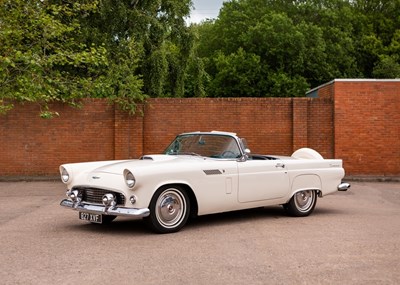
x=209 y=145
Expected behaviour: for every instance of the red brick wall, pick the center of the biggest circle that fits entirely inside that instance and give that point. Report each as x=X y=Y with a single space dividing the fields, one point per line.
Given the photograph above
x=320 y=127
x=367 y=126
x=34 y=146
x=326 y=91
x=266 y=123
x=358 y=123
x=128 y=135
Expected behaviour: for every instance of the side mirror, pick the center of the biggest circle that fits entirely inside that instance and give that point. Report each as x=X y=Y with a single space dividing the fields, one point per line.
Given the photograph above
x=246 y=155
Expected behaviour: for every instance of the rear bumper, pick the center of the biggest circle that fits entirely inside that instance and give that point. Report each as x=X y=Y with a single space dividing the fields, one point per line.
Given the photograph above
x=103 y=210
x=343 y=186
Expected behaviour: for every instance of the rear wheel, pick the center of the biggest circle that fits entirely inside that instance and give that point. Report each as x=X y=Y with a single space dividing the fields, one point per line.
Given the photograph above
x=169 y=209
x=302 y=203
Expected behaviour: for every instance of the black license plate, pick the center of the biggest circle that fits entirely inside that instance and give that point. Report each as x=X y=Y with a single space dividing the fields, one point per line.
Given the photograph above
x=93 y=218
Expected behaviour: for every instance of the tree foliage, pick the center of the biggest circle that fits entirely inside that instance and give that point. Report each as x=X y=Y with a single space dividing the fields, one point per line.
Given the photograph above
x=41 y=57
x=66 y=50
x=129 y=50
x=160 y=31
x=285 y=47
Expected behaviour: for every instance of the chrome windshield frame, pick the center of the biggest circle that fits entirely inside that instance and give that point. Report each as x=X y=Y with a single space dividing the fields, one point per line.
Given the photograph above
x=172 y=149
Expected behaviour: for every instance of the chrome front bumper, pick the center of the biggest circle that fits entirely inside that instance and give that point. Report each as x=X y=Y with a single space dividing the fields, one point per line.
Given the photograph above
x=343 y=186
x=103 y=210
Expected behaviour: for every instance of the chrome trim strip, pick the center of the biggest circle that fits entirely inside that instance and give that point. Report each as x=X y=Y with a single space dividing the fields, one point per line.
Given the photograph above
x=343 y=186
x=96 y=209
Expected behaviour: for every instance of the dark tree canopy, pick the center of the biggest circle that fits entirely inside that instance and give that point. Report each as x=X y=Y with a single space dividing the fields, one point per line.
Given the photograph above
x=284 y=47
x=65 y=50
x=129 y=50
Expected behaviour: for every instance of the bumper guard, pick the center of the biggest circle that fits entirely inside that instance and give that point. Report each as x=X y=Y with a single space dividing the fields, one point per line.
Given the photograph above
x=103 y=210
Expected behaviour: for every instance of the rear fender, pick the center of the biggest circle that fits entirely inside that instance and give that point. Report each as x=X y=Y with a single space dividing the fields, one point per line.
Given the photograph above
x=306 y=182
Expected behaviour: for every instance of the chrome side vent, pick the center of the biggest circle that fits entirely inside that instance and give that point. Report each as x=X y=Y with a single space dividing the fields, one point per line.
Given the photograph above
x=212 y=172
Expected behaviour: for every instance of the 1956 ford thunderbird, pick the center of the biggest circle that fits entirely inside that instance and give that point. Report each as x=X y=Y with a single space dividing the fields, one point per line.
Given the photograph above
x=199 y=173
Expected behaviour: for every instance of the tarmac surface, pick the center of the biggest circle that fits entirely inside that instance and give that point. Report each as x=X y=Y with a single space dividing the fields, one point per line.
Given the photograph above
x=352 y=237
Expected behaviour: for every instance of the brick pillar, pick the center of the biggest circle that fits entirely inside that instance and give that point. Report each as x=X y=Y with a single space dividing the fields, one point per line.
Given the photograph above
x=300 y=123
x=128 y=134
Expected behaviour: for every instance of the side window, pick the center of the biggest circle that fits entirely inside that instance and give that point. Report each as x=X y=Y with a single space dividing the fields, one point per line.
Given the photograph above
x=231 y=149
x=243 y=144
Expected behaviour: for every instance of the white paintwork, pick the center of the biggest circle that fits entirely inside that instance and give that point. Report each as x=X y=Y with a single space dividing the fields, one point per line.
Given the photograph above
x=239 y=183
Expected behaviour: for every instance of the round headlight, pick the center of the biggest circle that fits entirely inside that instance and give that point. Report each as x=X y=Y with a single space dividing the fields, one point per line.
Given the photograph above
x=64 y=175
x=129 y=178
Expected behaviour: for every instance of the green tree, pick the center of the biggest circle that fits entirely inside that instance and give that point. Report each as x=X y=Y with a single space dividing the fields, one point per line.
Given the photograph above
x=387 y=67
x=238 y=75
x=65 y=50
x=41 y=59
x=301 y=44
x=379 y=51
x=158 y=28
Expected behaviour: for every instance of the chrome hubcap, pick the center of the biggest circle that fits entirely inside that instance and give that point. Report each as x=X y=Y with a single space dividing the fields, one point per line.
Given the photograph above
x=171 y=208
x=304 y=200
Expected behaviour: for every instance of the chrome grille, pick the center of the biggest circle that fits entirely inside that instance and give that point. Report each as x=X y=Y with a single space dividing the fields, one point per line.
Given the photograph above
x=95 y=195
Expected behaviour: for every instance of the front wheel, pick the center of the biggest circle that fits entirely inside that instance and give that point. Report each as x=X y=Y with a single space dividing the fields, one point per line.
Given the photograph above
x=302 y=203
x=169 y=209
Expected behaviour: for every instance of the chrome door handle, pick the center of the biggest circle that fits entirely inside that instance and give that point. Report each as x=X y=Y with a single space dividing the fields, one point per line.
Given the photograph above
x=279 y=164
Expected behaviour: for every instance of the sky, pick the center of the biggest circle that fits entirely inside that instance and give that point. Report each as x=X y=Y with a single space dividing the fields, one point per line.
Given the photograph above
x=204 y=9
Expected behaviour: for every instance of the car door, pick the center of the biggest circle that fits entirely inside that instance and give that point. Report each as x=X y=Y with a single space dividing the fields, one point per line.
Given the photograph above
x=216 y=186
x=262 y=180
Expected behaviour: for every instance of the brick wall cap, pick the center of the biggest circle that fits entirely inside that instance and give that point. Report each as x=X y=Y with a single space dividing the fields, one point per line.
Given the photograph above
x=352 y=80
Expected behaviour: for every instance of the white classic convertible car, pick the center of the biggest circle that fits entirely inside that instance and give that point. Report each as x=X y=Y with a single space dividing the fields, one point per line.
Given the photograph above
x=199 y=173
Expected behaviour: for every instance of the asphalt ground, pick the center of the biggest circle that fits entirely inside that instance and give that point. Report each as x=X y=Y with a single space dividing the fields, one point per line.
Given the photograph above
x=351 y=238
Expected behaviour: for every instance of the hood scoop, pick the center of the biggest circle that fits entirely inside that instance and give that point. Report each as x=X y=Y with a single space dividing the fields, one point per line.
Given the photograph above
x=158 y=157
x=146 y=157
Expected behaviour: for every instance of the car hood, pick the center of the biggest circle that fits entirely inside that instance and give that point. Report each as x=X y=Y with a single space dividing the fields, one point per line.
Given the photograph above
x=117 y=167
